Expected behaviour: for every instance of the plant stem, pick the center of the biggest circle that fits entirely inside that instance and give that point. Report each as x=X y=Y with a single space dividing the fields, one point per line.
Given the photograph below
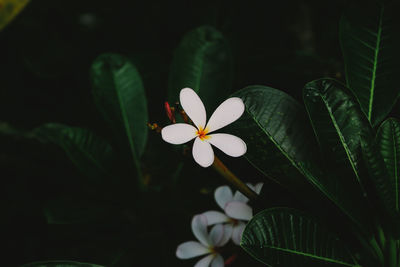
x=391 y=251
x=233 y=179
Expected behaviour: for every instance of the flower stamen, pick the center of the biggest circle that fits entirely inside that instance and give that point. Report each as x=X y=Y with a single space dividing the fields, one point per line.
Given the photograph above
x=202 y=133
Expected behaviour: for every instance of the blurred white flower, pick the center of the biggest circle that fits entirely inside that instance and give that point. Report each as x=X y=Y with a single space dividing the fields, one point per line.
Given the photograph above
x=179 y=133
x=209 y=243
x=235 y=207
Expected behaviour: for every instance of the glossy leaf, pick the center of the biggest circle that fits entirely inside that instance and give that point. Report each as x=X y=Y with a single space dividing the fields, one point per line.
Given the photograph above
x=281 y=144
x=338 y=121
x=60 y=264
x=378 y=174
x=90 y=153
x=369 y=36
x=287 y=237
x=202 y=62
x=9 y=9
x=120 y=96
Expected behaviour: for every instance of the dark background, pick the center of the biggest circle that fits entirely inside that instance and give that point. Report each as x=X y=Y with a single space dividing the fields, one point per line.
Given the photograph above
x=45 y=56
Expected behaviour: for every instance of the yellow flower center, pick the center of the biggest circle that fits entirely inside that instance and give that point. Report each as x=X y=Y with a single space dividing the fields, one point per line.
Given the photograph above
x=202 y=133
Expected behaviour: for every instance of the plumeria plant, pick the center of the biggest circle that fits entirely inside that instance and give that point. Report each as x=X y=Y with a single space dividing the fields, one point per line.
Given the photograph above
x=337 y=154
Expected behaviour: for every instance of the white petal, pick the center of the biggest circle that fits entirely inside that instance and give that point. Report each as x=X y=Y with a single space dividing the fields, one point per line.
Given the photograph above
x=178 y=133
x=191 y=249
x=229 y=144
x=193 y=106
x=240 y=197
x=258 y=187
x=229 y=111
x=227 y=235
x=238 y=232
x=203 y=153
x=205 y=262
x=214 y=217
x=199 y=228
x=218 y=261
x=238 y=210
x=223 y=195
x=216 y=234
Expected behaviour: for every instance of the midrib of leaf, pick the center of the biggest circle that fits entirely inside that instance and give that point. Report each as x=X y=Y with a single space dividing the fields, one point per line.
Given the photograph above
x=302 y=171
x=310 y=255
x=342 y=140
x=129 y=134
x=377 y=45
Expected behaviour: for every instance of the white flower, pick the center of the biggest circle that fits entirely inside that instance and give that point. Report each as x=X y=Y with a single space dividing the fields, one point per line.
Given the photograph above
x=209 y=243
x=235 y=208
x=180 y=133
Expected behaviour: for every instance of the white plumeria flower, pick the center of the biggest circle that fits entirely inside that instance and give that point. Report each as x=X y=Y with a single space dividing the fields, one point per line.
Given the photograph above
x=179 y=133
x=209 y=243
x=235 y=207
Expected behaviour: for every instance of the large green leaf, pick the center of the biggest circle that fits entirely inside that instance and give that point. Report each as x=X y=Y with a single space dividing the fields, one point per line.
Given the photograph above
x=202 y=62
x=338 y=122
x=120 y=96
x=90 y=153
x=281 y=144
x=370 y=43
x=287 y=237
x=388 y=139
x=60 y=264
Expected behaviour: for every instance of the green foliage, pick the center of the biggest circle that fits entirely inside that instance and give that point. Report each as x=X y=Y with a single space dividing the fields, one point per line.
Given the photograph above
x=90 y=153
x=291 y=238
x=370 y=44
x=60 y=264
x=202 y=62
x=120 y=96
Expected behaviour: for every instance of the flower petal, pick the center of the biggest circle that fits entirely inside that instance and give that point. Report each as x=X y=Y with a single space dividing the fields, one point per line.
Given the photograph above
x=178 y=133
x=218 y=261
x=223 y=195
x=229 y=144
x=238 y=232
x=191 y=249
x=238 y=210
x=214 y=217
x=205 y=262
x=227 y=235
x=238 y=196
x=229 y=111
x=258 y=187
x=216 y=234
x=203 y=153
x=199 y=228
x=193 y=106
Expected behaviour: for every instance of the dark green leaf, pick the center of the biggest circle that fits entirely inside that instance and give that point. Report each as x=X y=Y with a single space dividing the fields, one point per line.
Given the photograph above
x=90 y=153
x=60 y=264
x=120 y=96
x=202 y=62
x=338 y=121
x=286 y=237
x=277 y=133
x=370 y=42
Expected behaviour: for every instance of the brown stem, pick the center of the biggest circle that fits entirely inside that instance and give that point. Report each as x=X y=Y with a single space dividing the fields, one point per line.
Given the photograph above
x=235 y=181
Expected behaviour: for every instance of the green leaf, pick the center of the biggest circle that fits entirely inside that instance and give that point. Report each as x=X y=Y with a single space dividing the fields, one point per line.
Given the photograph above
x=287 y=237
x=60 y=264
x=338 y=121
x=202 y=62
x=90 y=153
x=379 y=177
x=281 y=145
x=370 y=40
x=120 y=96
x=388 y=139
x=277 y=133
